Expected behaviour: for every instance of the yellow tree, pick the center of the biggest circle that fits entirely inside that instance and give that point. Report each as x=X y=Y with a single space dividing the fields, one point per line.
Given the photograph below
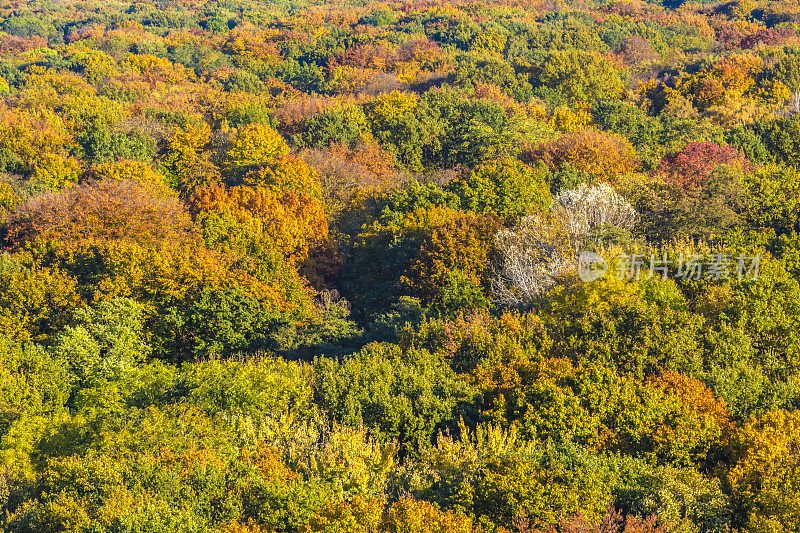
x=254 y=145
x=129 y=169
x=56 y=171
x=765 y=480
x=187 y=158
x=292 y=221
x=286 y=173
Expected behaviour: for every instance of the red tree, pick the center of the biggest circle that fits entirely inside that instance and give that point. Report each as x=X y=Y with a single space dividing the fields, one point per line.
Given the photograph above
x=692 y=166
x=767 y=36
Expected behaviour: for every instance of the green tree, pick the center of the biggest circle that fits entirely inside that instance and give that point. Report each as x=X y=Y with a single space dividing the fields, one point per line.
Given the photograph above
x=107 y=344
x=582 y=76
x=344 y=125
x=505 y=187
x=407 y=396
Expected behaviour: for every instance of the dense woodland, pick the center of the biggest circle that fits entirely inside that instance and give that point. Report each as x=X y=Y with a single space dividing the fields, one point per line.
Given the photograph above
x=285 y=267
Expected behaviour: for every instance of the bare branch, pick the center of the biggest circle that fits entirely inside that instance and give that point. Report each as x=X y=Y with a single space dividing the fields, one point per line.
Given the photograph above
x=540 y=251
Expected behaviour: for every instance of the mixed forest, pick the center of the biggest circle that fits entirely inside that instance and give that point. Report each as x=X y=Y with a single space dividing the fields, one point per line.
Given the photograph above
x=272 y=266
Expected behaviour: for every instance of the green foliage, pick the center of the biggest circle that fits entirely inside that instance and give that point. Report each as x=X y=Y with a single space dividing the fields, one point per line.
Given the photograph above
x=683 y=497
x=259 y=388
x=404 y=396
x=307 y=77
x=379 y=17
x=780 y=136
x=750 y=143
x=787 y=71
x=766 y=308
x=772 y=198
x=582 y=76
x=221 y=323
x=252 y=258
x=461 y=294
x=484 y=131
x=28 y=25
x=107 y=344
x=241 y=116
x=99 y=142
x=343 y=126
x=639 y=328
x=475 y=68
x=506 y=187
x=243 y=81
x=32 y=382
x=394 y=124
x=527 y=486
x=645 y=133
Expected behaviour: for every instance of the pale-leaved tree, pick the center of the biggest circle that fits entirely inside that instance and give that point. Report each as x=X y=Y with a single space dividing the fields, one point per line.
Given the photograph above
x=542 y=249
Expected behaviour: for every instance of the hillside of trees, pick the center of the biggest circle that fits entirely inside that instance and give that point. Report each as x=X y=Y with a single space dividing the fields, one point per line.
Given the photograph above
x=299 y=266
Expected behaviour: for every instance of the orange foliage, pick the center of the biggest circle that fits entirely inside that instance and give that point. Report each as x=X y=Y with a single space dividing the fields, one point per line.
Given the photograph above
x=357 y=514
x=368 y=55
x=725 y=81
x=107 y=210
x=465 y=243
x=730 y=33
x=250 y=45
x=488 y=91
x=344 y=170
x=292 y=115
x=694 y=395
x=294 y=221
x=244 y=527
x=12 y=44
x=697 y=419
x=604 y=155
x=612 y=522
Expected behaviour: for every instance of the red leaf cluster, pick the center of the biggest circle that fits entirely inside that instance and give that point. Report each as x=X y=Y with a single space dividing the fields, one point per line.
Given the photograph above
x=768 y=37
x=691 y=167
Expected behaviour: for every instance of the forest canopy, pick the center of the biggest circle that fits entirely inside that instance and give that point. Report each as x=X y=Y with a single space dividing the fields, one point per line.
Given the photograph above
x=322 y=267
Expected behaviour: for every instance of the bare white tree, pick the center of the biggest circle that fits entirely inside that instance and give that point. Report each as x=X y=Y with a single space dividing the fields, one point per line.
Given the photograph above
x=583 y=210
x=541 y=250
x=795 y=103
x=533 y=261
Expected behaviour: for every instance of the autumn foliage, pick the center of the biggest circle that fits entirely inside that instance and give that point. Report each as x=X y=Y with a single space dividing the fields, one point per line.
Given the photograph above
x=691 y=167
x=101 y=210
x=602 y=155
x=415 y=267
